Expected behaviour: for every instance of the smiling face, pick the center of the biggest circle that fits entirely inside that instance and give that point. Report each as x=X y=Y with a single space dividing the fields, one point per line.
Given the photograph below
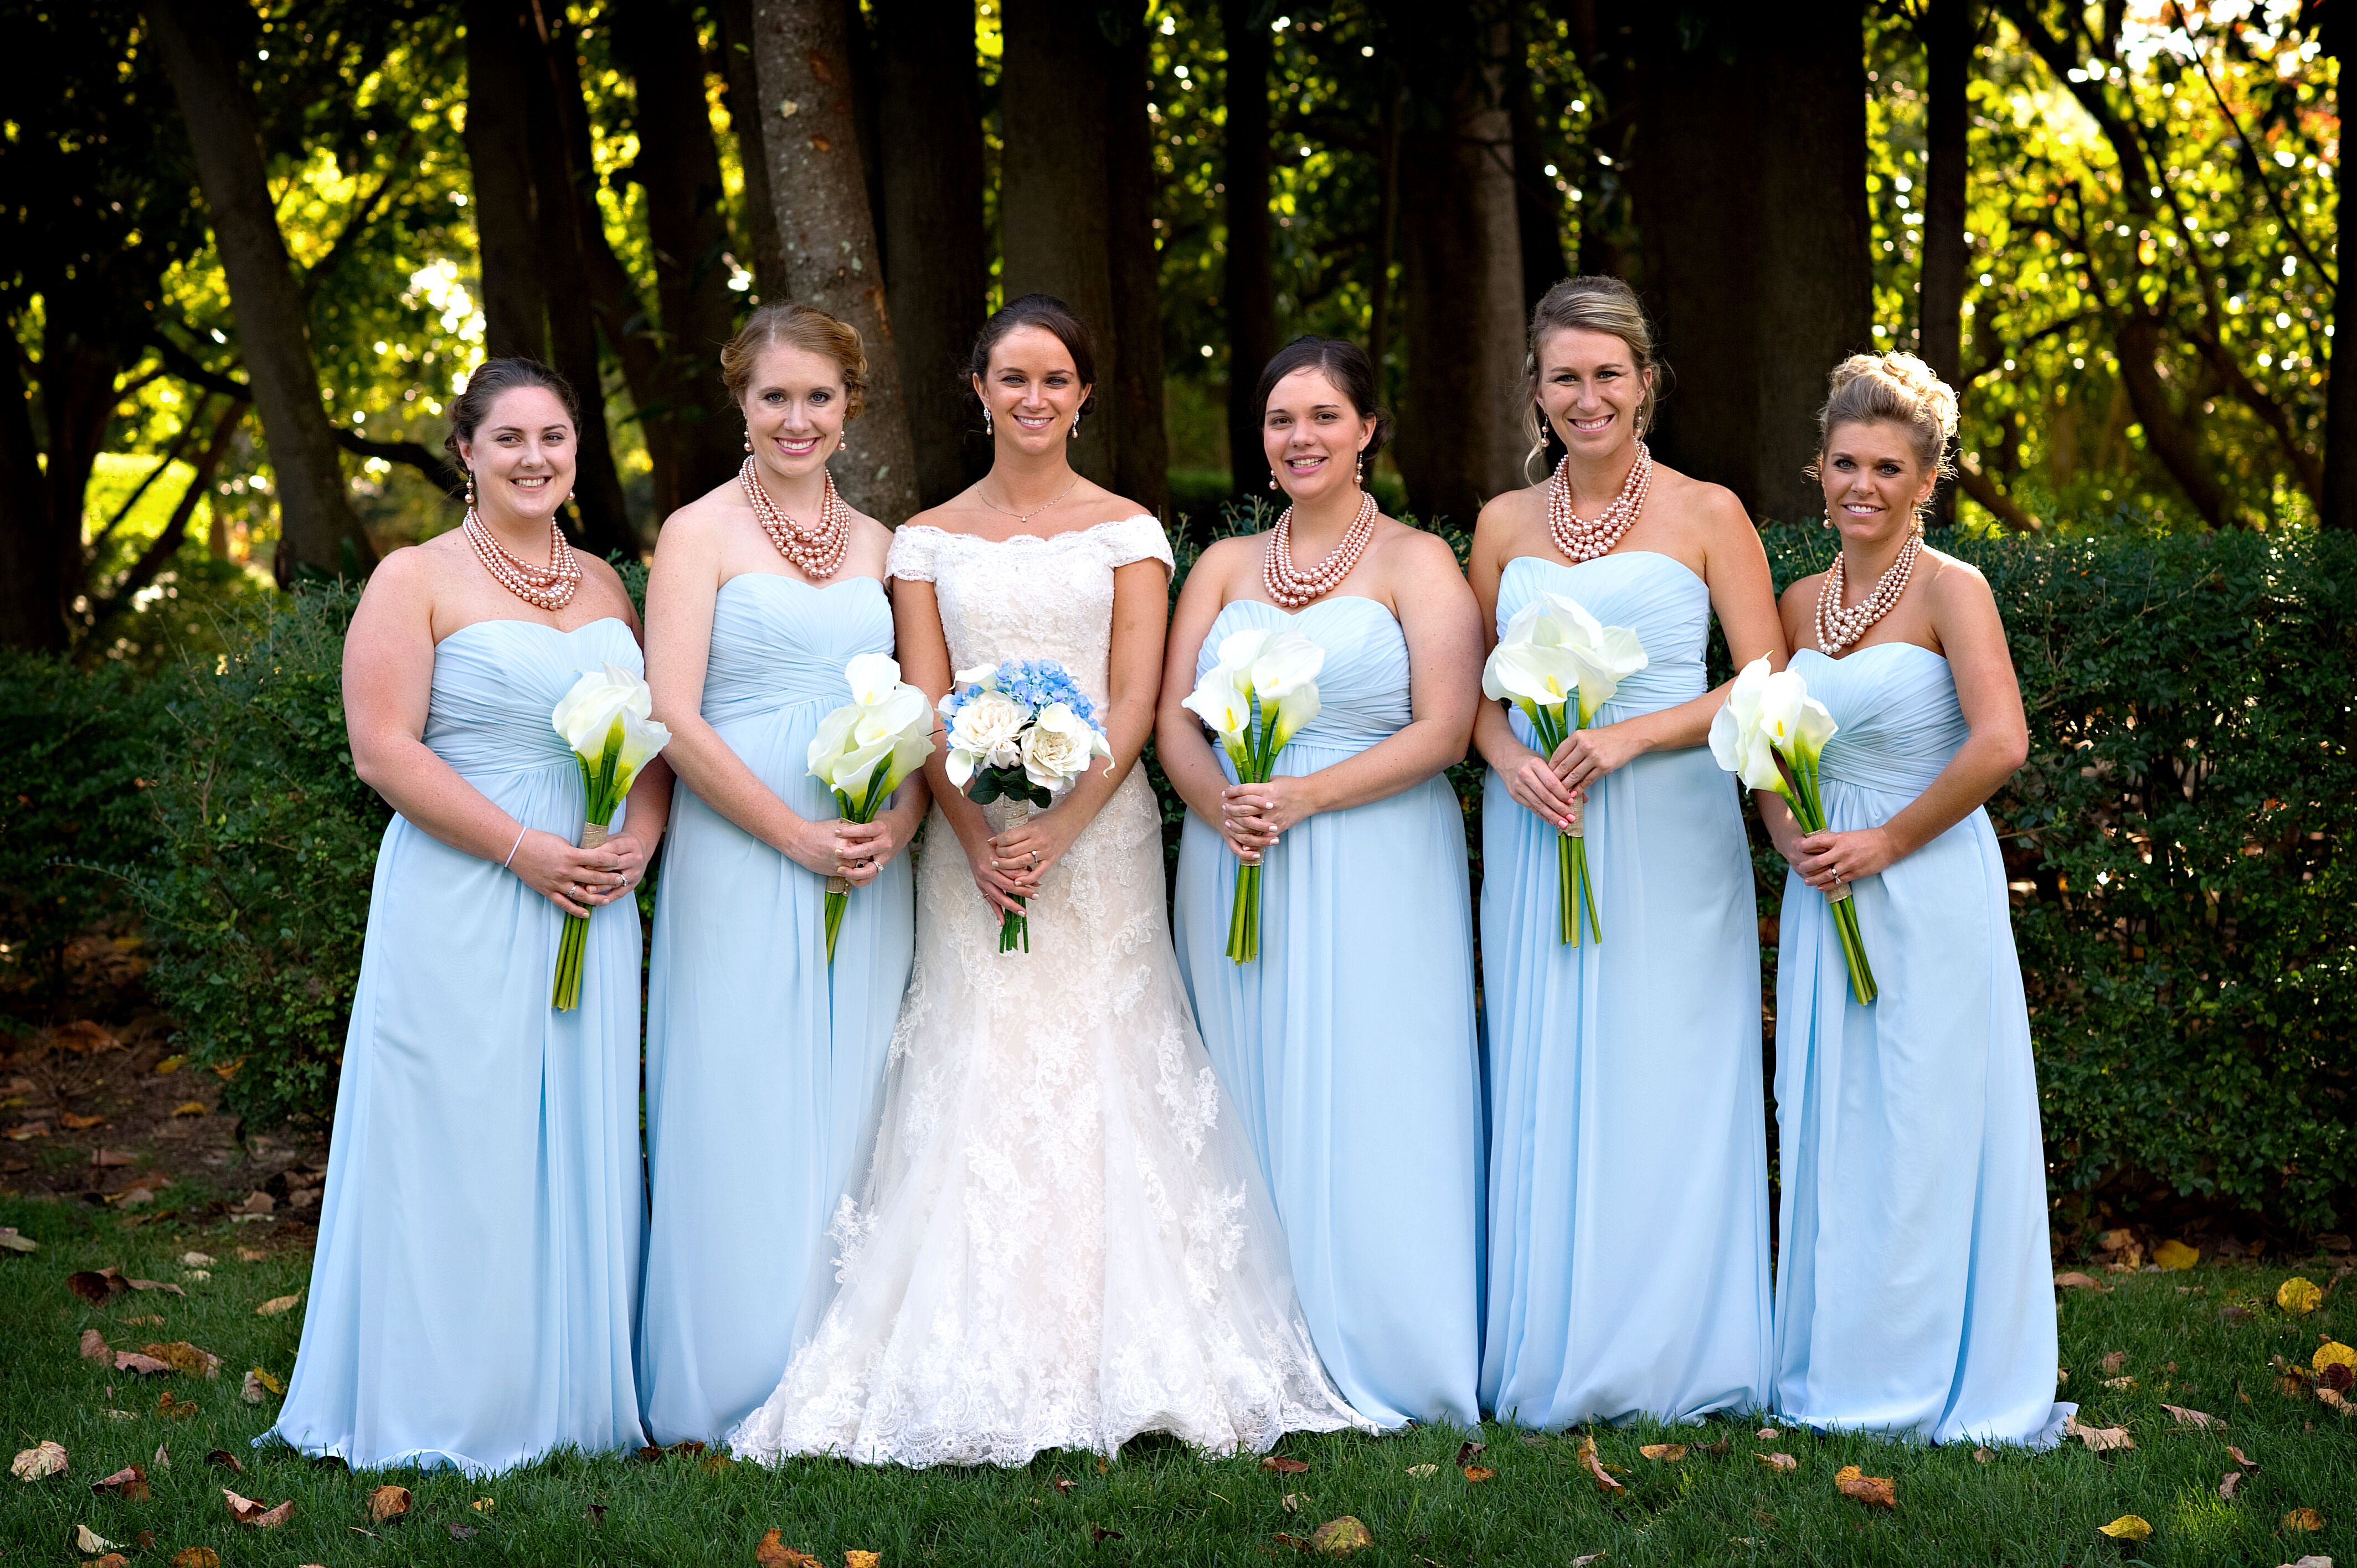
x=522 y=456
x=1590 y=391
x=794 y=408
x=1312 y=434
x=1875 y=482
x=1032 y=390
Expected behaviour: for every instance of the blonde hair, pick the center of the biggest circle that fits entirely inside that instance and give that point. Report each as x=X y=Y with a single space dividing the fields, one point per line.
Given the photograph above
x=1891 y=388
x=797 y=326
x=1590 y=304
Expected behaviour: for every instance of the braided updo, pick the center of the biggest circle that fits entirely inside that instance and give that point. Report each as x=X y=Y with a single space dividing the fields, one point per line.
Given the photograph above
x=1892 y=388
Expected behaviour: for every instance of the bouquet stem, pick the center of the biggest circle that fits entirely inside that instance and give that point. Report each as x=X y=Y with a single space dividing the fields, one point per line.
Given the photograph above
x=1809 y=811
x=838 y=900
x=565 y=994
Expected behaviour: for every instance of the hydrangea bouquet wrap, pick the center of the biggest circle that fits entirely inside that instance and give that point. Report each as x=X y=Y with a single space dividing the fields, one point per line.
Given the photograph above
x=865 y=750
x=1255 y=699
x=1559 y=663
x=605 y=719
x=1770 y=734
x=1020 y=732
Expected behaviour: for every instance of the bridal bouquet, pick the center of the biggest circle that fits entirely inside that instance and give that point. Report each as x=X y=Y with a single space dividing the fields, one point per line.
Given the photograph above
x=605 y=719
x=1021 y=732
x=1559 y=664
x=864 y=750
x=1770 y=735
x=1255 y=699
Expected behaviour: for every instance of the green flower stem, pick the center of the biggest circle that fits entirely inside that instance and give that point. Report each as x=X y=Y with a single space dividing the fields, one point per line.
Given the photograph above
x=1804 y=794
x=1258 y=767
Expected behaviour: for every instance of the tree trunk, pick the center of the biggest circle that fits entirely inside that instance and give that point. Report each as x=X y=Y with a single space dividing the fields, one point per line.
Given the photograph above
x=1052 y=187
x=317 y=526
x=1460 y=437
x=678 y=167
x=936 y=251
x=1538 y=206
x=32 y=614
x=2339 y=505
x=167 y=542
x=1249 y=288
x=1948 y=51
x=2166 y=435
x=1141 y=467
x=503 y=70
x=1751 y=139
x=1380 y=309
x=745 y=123
x=800 y=55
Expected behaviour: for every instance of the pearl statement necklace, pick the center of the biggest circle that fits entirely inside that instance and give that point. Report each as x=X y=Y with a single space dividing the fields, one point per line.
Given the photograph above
x=819 y=551
x=548 y=588
x=1292 y=589
x=1581 y=539
x=1838 y=628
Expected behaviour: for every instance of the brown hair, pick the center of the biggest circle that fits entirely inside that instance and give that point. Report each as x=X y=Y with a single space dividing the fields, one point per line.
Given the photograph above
x=1343 y=363
x=1050 y=314
x=1589 y=304
x=787 y=324
x=1891 y=388
x=484 y=384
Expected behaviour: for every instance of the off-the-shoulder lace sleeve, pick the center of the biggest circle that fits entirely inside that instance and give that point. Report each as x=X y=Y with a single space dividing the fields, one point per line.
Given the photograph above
x=1138 y=538
x=910 y=558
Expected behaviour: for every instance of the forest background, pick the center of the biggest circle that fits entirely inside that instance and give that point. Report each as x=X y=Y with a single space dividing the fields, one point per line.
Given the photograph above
x=248 y=254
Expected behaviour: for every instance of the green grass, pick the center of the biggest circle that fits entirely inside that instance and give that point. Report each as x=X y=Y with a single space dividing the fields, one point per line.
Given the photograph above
x=1168 y=1506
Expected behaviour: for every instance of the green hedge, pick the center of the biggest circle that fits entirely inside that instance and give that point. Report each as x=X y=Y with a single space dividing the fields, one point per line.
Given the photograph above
x=2180 y=844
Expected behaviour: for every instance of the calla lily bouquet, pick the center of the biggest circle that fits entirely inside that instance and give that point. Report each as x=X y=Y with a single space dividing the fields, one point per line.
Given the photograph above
x=605 y=719
x=1255 y=699
x=1022 y=731
x=865 y=750
x=1559 y=663
x=1769 y=735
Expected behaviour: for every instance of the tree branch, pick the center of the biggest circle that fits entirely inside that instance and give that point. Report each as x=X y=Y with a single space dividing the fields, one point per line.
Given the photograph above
x=1982 y=489
x=416 y=453
x=2250 y=153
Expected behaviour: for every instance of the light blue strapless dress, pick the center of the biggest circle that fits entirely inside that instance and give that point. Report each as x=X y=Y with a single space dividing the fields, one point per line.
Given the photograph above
x=1628 y=1128
x=478 y=1266
x=762 y=1067
x=1914 y=1295
x=1348 y=1048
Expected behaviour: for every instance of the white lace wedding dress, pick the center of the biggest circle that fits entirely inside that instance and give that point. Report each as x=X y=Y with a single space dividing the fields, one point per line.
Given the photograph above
x=1063 y=1239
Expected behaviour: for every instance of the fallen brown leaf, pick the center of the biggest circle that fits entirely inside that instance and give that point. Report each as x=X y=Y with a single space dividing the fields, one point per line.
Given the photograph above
x=1767 y=1435
x=177 y=1409
x=135 y=1361
x=39 y=1463
x=29 y=1130
x=2229 y=1483
x=1875 y=1491
x=1340 y=1537
x=89 y=1540
x=78 y=1123
x=111 y=1159
x=163 y=1457
x=245 y=1511
x=12 y=1242
x=144 y=1320
x=1984 y=1456
x=130 y=1483
x=1290 y=1502
x=83 y=1038
x=196 y=1557
x=2303 y=1519
x=1276 y=1463
x=853 y=1558
x=1478 y=1473
x=1466 y=1450
x=94 y=1346
x=1591 y=1557
x=183 y=1357
x=1421 y=1471
x=1668 y=1453
x=1098 y=1533
x=2114 y=1361
x=226 y=1460
x=97 y=1286
x=256 y=1202
x=1596 y=1470
x=457 y=1532
x=2128 y=1527
x=278 y=1303
x=111 y=1560
x=251 y=1254
x=1779 y=1461
x=191 y=1108
x=387 y=1503
x=2245 y=1460
x=2235 y=1313
x=2099 y=1438
x=774 y=1553
x=2191 y=1417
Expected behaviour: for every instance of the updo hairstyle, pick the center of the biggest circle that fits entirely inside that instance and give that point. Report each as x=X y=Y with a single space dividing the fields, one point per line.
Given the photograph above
x=492 y=377
x=1891 y=388
x=1590 y=304
x=790 y=326
x=1342 y=362
x=1047 y=312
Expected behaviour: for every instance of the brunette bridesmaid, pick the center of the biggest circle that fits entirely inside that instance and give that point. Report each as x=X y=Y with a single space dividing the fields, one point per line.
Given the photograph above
x=1913 y=1295
x=1627 y=1266
x=478 y=1266
x=763 y=1061
x=1348 y=1045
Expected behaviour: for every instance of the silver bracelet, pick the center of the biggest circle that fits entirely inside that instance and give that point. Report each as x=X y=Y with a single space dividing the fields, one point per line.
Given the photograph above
x=513 y=847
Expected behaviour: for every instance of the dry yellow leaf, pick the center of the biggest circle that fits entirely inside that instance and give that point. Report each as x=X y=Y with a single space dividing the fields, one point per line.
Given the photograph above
x=388 y=1502
x=2333 y=1353
x=2303 y=1519
x=1668 y=1453
x=196 y=1557
x=1779 y=1461
x=1878 y=1491
x=1603 y=1478
x=2299 y=1295
x=1340 y=1537
x=774 y=1553
x=2175 y=1255
x=183 y=1357
x=1479 y=1473
x=855 y=1559
x=276 y=1304
x=1421 y=1471
x=2099 y=1438
x=2128 y=1527
x=484 y=1505
x=41 y=1460
x=191 y=1108
x=2077 y=1281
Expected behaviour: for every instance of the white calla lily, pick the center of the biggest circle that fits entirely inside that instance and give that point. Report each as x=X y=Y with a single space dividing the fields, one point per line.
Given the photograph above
x=586 y=714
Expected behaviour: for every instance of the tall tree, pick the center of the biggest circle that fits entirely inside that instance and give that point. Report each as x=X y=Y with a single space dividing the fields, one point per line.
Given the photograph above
x=1538 y=206
x=1141 y=467
x=318 y=528
x=504 y=74
x=2339 y=508
x=1248 y=288
x=746 y=123
x=936 y=251
x=803 y=65
x=1948 y=48
x=1461 y=435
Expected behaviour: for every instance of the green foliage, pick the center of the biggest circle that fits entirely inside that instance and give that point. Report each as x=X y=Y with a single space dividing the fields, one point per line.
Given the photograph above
x=2180 y=850
x=258 y=899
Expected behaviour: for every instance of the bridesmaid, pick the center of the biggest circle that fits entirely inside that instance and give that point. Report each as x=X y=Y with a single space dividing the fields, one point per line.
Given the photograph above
x=1628 y=1224
x=1914 y=1295
x=762 y=1062
x=1348 y=1047
x=478 y=1266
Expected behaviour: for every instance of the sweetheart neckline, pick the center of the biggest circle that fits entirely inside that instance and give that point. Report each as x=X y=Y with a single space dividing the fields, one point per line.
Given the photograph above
x=518 y=620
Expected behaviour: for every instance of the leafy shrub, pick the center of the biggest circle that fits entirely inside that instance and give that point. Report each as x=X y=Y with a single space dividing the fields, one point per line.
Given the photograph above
x=268 y=839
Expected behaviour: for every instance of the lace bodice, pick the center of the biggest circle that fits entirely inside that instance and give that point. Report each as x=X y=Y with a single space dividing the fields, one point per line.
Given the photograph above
x=1032 y=597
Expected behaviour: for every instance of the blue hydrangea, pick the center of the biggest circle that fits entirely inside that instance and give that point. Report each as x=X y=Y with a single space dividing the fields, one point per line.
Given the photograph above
x=1034 y=682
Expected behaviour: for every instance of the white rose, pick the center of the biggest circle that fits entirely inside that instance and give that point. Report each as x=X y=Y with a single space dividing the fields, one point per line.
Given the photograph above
x=987 y=732
x=1058 y=747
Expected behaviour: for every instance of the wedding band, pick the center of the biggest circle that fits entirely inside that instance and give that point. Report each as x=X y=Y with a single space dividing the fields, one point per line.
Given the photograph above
x=1035 y=860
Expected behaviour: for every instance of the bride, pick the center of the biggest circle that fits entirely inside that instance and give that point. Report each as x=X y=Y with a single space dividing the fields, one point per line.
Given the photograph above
x=1063 y=1241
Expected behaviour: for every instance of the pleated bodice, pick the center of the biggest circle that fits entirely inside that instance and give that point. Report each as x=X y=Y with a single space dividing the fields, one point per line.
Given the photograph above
x=1363 y=688
x=497 y=684
x=778 y=642
x=1897 y=717
x=1656 y=595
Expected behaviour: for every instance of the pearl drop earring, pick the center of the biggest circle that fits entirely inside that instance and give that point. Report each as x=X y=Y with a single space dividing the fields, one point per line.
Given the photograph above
x=748 y=438
x=470 y=489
